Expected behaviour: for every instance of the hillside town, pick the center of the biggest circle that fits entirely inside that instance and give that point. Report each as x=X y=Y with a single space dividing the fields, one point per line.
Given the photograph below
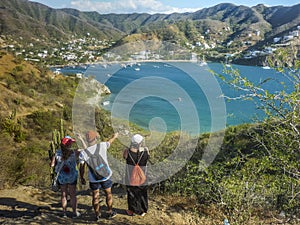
x=88 y=50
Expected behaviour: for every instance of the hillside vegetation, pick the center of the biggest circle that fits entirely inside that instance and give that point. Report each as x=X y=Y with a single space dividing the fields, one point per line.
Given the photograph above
x=32 y=103
x=220 y=24
x=255 y=177
x=249 y=181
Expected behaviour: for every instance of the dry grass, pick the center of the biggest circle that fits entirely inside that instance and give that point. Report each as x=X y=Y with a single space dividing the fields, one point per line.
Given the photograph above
x=27 y=205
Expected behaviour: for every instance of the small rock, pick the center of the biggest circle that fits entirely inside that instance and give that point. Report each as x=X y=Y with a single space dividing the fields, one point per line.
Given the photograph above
x=282 y=214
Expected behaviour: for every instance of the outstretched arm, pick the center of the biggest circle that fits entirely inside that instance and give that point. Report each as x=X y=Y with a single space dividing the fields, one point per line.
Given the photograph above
x=115 y=136
x=81 y=140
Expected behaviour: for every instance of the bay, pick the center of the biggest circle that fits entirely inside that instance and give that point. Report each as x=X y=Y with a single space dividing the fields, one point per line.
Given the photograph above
x=170 y=96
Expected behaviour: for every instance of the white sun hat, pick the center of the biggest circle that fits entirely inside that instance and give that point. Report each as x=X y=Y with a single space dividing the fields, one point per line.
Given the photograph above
x=137 y=138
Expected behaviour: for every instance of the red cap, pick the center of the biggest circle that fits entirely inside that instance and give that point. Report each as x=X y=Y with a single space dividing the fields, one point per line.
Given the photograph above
x=67 y=141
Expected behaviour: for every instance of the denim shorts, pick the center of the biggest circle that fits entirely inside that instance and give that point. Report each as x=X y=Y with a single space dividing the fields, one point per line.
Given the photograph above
x=101 y=185
x=73 y=183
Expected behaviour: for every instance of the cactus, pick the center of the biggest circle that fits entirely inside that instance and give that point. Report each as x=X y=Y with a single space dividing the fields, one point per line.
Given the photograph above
x=56 y=138
x=55 y=144
x=62 y=132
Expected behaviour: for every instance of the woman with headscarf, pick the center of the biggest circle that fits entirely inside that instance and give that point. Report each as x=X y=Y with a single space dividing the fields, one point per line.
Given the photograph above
x=137 y=195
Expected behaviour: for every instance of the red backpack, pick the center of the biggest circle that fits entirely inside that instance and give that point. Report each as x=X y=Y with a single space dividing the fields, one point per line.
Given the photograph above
x=137 y=176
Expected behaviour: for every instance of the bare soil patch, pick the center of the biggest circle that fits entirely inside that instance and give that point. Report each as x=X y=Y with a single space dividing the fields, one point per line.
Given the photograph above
x=29 y=205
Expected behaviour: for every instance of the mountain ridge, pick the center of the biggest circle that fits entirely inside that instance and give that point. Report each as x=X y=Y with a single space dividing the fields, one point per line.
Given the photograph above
x=217 y=32
x=111 y=25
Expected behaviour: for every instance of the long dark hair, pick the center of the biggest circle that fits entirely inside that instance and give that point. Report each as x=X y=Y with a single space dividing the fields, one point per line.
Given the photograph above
x=66 y=151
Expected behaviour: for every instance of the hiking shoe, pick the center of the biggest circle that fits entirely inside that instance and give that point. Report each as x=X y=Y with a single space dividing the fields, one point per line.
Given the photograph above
x=76 y=215
x=112 y=214
x=64 y=215
x=98 y=218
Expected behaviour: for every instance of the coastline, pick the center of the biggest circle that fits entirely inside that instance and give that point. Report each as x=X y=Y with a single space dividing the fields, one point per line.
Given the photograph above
x=242 y=62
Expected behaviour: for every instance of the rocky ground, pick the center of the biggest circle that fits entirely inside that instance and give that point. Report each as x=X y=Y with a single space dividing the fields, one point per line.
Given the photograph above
x=29 y=205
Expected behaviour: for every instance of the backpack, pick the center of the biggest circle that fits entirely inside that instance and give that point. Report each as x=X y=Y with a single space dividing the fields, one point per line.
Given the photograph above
x=68 y=173
x=97 y=165
x=137 y=176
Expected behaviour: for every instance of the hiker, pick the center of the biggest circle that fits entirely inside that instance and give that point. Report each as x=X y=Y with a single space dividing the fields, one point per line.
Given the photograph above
x=105 y=183
x=65 y=162
x=137 y=196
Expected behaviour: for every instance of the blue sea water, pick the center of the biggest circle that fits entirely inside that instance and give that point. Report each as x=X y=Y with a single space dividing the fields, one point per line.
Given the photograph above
x=179 y=95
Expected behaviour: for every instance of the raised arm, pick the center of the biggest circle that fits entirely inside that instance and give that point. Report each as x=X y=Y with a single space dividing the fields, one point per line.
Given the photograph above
x=81 y=140
x=114 y=137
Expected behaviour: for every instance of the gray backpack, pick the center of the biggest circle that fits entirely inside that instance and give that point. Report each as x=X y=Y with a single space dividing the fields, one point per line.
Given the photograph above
x=97 y=165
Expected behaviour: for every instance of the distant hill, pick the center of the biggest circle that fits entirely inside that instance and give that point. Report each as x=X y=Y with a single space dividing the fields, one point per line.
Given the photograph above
x=33 y=20
x=221 y=24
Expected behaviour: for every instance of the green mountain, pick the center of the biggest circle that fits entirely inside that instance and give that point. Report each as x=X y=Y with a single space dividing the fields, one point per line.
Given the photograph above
x=33 y=20
x=282 y=19
x=219 y=26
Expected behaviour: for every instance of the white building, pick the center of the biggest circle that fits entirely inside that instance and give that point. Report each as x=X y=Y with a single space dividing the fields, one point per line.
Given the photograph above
x=276 y=39
x=288 y=38
x=294 y=33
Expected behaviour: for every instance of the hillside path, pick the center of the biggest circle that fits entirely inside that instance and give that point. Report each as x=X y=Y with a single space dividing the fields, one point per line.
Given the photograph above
x=29 y=205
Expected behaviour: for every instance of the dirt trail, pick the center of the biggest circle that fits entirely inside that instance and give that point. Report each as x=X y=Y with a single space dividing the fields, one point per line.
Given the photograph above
x=29 y=205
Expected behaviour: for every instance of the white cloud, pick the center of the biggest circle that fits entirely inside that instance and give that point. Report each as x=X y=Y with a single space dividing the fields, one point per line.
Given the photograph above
x=127 y=6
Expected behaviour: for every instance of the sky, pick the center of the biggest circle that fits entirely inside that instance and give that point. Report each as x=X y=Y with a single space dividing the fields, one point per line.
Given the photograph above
x=153 y=6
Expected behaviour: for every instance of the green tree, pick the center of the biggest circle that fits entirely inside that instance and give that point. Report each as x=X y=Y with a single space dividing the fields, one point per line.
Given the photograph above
x=277 y=153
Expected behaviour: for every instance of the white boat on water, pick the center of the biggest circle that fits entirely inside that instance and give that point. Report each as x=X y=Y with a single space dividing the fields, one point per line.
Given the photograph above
x=105 y=103
x=137 y=69
x=202 y=63
x=266 y=67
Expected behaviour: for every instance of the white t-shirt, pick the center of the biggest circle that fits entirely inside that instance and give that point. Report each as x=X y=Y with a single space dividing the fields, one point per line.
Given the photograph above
x=83 y=157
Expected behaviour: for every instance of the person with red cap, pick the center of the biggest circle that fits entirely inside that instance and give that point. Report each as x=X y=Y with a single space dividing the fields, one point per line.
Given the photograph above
x=65 y=162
